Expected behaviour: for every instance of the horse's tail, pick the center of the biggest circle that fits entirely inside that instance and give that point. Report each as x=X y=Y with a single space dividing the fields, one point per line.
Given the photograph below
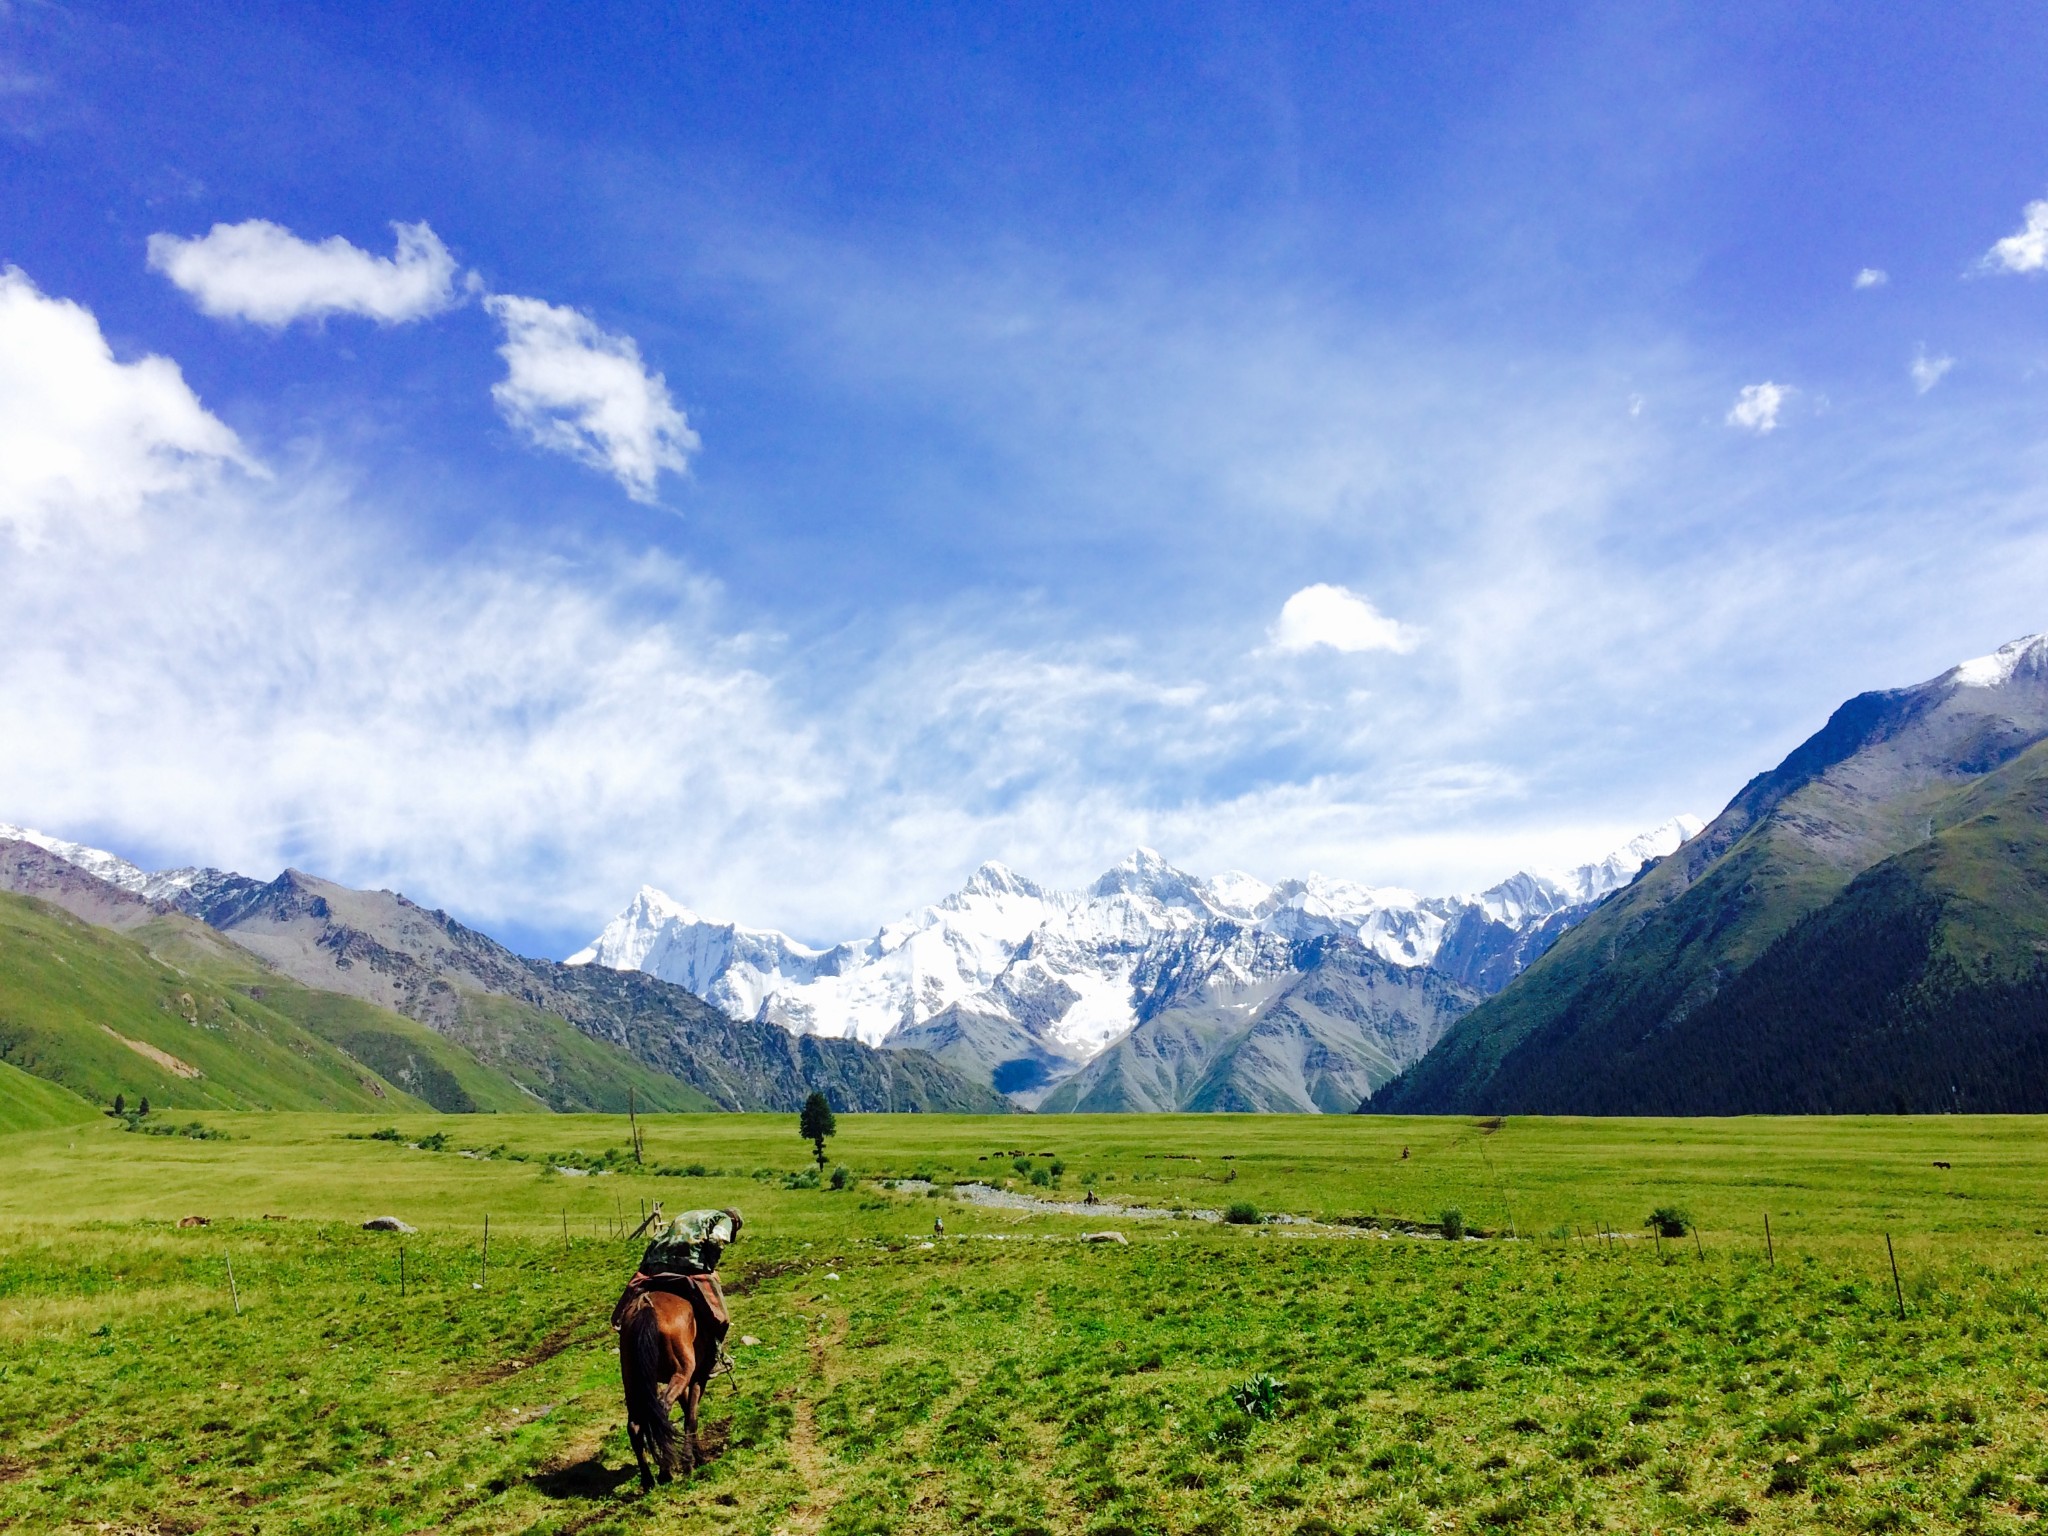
x=641 y=1343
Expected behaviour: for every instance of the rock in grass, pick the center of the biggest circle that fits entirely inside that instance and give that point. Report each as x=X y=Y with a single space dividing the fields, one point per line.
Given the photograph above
x=386 y=1224
x=1105 y=1237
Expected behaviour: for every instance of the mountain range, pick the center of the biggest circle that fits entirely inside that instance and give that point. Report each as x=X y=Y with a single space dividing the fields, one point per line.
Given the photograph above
x=206 y=987
x=1151 y=988
x=1863 y=929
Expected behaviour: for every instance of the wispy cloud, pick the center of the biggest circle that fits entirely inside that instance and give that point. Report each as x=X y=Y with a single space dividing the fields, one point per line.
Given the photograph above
x=574 y=388
x=1871 y=277
x=1756 y=407
x=262 y=272
x=83 y=436
x=1335 y=618
x=2026 y=249
x=1928 y=371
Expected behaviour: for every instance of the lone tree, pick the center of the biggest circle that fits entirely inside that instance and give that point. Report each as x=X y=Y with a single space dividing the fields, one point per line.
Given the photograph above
x=818 y=1123
x=143 y=1107
x=120 y=1104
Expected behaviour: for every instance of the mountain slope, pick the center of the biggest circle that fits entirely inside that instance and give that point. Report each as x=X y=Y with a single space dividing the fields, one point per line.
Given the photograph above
x=397 y=1049
x=1314 y=1029
x=97 y=1013
x=33 y=1104
x=578 y=1036
x=1877 y=877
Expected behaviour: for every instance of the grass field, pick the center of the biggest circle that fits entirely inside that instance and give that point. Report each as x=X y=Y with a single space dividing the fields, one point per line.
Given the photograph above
x=1008 y=1377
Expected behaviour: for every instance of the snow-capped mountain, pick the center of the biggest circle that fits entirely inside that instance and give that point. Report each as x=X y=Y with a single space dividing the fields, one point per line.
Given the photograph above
x=96 y=862
x=1054 y=977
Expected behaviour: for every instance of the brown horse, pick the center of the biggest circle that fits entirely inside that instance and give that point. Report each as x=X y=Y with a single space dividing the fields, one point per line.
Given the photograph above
x=660 y=1359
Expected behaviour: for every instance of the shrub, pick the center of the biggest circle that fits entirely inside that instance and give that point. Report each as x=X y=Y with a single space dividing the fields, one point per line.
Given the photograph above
x=1453 y=1223
x=1242 y=1213
x=1670 y=1221
x=1258 y=1395
x=1040 y=1177
x=808 y=1179
x=1059 y=1167
x=1022 y=1164
x=840 y=1177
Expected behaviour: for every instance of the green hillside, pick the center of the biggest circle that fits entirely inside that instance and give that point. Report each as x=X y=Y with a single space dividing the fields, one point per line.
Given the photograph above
x=98 y=1013
x=30 y=1104
x=1773 y=983
x=559 y=1066
x=1827 y=942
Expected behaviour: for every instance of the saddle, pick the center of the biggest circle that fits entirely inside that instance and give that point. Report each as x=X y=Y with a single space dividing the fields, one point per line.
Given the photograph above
x=701 y=1291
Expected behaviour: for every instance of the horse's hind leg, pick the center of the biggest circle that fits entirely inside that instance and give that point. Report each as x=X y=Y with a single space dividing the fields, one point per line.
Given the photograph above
x=691 y=1393
x=640 y=1455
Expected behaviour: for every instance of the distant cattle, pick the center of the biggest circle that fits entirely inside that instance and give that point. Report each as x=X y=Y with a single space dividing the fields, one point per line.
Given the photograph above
x=1939 y=1163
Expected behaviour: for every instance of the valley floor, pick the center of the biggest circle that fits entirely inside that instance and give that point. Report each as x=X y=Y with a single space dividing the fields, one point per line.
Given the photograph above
x=1006 y=1377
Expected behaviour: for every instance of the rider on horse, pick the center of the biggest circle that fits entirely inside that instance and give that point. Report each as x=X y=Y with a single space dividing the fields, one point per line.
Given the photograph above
x=682 y=1258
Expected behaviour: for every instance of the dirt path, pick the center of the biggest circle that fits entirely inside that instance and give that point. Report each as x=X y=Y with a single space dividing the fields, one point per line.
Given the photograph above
x=805 y=1454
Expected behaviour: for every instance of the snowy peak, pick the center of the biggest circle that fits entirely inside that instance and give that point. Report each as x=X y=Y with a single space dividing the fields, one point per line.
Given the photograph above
x=1142 y=872
x=1072 y=972
x=1589 y=882
x=999 y=880
x=96 y=862
x=2025 y=657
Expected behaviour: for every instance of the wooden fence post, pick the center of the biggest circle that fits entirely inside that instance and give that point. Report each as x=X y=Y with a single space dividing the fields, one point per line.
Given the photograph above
x=1898 y=1291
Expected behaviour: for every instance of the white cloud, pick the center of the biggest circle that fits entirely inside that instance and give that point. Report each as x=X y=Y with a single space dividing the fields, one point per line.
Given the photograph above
x=1756 y=408
x=1872 y=277
x=2027 y=249
x=262 y=272
x=1928 y=371
x=1323 y=615
x=576 y=389
x=83 y=436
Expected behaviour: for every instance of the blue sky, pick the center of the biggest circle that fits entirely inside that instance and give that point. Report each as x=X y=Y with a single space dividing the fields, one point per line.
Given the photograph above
x=1024 y=366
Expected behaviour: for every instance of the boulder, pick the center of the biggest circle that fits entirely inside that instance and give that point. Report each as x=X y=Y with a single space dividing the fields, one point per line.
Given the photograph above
x=386 y=1224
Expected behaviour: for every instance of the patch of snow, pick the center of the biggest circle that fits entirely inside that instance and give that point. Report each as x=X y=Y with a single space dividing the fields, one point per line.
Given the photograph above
x=94 y=861
x=1997 y=669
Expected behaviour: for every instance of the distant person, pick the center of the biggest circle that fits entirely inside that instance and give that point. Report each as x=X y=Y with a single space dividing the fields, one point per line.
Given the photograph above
x=682 y=1259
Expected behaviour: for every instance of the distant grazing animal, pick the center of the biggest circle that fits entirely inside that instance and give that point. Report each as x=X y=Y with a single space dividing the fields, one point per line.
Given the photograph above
x=1939 y=1163
x=195 y=1221
x=1404 y=1154
x=662 y=1365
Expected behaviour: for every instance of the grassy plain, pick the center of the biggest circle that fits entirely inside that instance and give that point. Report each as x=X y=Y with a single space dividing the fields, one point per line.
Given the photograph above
x=1010 y=1378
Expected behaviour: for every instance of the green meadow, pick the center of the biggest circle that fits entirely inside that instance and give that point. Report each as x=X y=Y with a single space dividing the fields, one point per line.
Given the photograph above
x=1342 y=1370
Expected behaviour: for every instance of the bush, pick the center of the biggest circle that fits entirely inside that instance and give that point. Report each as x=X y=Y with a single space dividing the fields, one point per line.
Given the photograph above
x=1059 y=1167
x=1670 y=1221
x=808 y=1179
x=1022 y=1164
x=1453 y=1224
x=1242 y=1213
x=1040 y=1177
x=841 y=1179
x=1258 y=1395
